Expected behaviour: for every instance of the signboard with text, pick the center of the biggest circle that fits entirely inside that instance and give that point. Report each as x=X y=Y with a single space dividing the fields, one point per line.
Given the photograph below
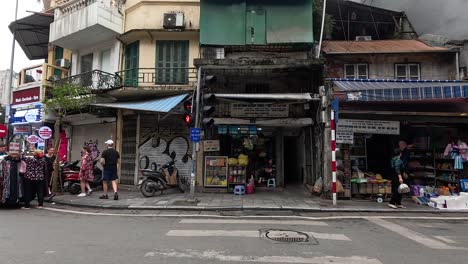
x=25 y=114
x=26 y=96
x=45 y=132
x=259 y=110
x=3 y=130
x=22 y=130
x=344 y=137
x=369 y=126
x=210 y=145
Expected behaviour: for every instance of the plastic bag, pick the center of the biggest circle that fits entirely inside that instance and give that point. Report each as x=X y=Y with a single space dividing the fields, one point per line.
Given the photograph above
x=318 y=185
x=403 y=188
x=339 y=187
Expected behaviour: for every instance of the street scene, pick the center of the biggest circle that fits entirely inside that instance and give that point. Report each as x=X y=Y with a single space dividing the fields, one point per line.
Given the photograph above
x=233 y=131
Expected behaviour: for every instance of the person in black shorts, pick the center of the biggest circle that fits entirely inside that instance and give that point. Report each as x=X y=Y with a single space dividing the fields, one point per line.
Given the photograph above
x=109 y=160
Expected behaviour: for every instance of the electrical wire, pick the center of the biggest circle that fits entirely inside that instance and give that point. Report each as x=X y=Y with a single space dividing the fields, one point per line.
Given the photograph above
x=341 y=19
x=373 y=20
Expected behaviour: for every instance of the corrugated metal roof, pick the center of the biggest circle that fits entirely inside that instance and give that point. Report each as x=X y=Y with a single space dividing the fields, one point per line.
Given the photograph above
x=156 y=105
x=379 y=46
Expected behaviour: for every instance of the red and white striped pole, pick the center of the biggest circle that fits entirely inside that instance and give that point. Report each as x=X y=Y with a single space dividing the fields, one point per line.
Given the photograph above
x=333 y=153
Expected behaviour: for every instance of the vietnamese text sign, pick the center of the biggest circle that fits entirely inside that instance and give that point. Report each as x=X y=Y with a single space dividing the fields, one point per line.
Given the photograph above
x=345 y=137
x=45 y=132
x=14 y=147
x=26 y=96
x=22 y=130
x=25 y=114
x=259 y=110
x=210 y=145
x=369 y=126
x=195 y=134
x=33 y=139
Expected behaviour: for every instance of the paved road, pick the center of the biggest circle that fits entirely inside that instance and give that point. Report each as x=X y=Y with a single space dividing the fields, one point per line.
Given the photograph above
x=42 y=236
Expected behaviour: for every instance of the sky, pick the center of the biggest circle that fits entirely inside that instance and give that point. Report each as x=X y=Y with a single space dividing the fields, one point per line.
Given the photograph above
x=446 y=18
x=7 y=15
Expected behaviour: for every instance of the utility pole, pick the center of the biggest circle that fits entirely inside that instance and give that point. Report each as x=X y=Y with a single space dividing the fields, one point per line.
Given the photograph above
x=195 y=144
x=9 y=86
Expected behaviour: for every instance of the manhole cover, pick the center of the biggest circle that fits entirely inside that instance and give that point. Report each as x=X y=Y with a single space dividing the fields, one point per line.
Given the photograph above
x=286 y=236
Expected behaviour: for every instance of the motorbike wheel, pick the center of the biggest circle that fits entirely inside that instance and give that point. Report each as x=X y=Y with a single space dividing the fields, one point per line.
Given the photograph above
x=182 y=184
x=75 y=188
x=149 y=191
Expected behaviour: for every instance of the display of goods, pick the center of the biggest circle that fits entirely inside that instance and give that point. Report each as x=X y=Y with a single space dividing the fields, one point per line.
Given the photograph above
x=363 y=188
x=232 y=162
x=369 y=187
x=388 y=188
x=379 y=176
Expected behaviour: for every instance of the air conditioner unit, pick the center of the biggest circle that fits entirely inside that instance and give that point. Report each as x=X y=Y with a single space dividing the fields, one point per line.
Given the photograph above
x=173 y=20
x=363 y=38
x=211 y=53
x=63 y=63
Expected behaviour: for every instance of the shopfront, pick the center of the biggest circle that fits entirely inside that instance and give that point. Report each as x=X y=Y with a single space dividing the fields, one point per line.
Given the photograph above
x=431 y=132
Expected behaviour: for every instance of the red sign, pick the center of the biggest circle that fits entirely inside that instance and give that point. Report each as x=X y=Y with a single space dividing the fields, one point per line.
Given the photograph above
x=26 y=96
x=3 y=130
x=33 y=139
x=45 y=132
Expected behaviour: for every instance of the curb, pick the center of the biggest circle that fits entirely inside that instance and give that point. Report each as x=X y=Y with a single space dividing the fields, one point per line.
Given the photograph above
x=247 y=208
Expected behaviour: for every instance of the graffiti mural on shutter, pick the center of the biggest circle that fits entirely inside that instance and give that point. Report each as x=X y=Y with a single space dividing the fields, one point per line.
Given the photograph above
x=163 y=143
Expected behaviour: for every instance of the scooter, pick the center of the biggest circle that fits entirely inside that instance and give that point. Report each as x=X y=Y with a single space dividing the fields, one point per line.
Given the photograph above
x=70 y=173
x=155 y=182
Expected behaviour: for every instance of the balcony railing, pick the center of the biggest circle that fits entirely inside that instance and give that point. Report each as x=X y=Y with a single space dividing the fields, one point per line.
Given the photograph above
x=44 y=74
x=96 y=80
x=70 y=6
x=158 y=76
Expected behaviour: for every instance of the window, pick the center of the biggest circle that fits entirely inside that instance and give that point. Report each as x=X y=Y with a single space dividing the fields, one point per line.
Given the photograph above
x=356 y=71
x=407 y=71
x=86 y=66
x=172 y=60
x=106 y=61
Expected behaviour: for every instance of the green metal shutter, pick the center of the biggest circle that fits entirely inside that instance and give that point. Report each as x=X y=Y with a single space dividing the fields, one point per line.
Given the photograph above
x=131 y=64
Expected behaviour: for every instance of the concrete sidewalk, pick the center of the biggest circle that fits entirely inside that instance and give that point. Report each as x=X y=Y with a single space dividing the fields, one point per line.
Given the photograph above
x=288 y=200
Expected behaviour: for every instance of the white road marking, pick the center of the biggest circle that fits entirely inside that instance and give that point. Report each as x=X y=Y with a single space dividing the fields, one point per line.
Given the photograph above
x=221 y=256
x=413 y=235
x=245 y=221
x=446 y=239
x=149 y=254
x=442 y=218
x=245 y=234
x=49 y=252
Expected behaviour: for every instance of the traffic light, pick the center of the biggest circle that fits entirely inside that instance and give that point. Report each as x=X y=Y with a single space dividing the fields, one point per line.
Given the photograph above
x=188 y=112
x=208 y=109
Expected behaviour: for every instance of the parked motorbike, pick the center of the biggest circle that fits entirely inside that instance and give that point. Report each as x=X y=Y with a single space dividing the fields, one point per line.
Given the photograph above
x=70 y=173
x=155 y=182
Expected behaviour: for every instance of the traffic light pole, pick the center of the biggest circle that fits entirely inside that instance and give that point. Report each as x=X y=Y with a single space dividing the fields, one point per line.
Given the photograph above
x=195 y=144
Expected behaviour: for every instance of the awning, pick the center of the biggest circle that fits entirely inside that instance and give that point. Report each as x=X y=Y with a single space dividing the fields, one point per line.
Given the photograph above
x=32 y=33
x=301 y=97
x=397 y=90
x=156 y=105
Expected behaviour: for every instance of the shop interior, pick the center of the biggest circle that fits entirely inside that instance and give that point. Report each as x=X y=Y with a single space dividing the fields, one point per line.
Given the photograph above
x=251 y=155
x=364 y=167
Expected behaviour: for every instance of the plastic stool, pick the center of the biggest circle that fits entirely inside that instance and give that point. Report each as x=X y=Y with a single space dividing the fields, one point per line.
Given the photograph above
x=239 y=190
x=271 y=183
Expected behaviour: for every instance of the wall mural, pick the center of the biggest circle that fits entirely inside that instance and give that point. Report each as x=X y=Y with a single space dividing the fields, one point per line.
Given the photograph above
x=157 y=150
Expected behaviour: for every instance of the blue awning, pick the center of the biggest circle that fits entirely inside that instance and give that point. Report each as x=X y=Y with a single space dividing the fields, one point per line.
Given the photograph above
x=396 y=90
x=156 y=105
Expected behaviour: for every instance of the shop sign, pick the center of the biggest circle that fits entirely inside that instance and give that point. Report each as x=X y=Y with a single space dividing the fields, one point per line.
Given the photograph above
x=14 y=147
x=33 y=139
x=26 y=96
x=243 y=130
x=211 y=145
x=369 y=126
x=25 y=114
x=45 y=132
x=22 y=130
x=344 y=137
x=3 y=130
x=259 y=110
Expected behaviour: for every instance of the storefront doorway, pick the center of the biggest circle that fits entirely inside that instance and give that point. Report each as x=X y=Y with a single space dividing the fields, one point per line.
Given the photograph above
x=292 y=168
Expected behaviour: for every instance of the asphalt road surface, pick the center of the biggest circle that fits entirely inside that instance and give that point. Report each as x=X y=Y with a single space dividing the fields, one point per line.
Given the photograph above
x=39 y=236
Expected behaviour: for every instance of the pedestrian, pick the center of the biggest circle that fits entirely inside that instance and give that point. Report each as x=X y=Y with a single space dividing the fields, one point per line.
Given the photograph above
x=3 y=149
x=34 y=178
x=397 y=179
x=86 y=171
x=109 y=160
x=50 y=160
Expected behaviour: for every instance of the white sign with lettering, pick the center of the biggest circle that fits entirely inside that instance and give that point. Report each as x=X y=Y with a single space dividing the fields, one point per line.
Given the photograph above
x=345 y=137
x=259 y=110
x=369 y=126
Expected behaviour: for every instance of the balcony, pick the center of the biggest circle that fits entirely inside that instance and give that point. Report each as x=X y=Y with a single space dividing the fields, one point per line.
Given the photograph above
x=164 y=78
x=97 y=81
x=43 y=74
x=84 y=23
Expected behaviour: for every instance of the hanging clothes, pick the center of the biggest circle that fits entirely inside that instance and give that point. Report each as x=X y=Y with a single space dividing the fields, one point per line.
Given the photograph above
x=11 y=181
